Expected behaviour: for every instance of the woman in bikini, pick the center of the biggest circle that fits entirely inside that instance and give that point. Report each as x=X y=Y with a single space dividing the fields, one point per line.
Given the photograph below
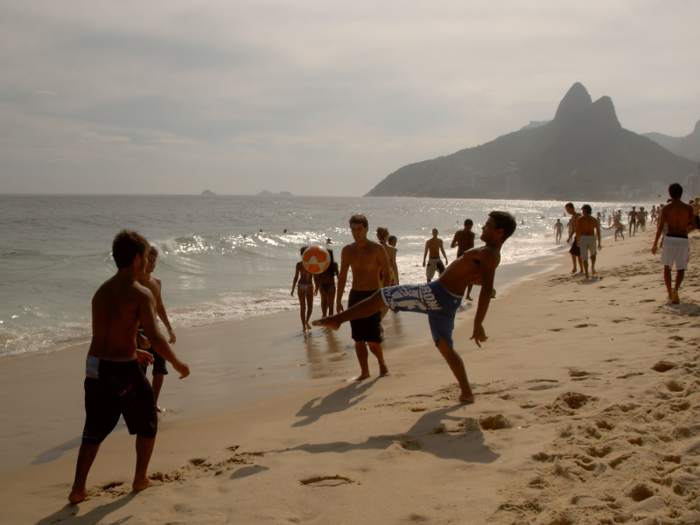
x=305 y=292
x=327 y=286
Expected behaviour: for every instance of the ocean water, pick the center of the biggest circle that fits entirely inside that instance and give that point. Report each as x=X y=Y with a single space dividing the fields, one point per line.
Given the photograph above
x=221 y=257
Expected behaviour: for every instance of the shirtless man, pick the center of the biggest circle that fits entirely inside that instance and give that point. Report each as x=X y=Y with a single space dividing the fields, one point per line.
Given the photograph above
x=434 y=246
x=114 y=383
x=575 y=251
x=146 y=279
x=383 y=237
x=632 y=221
x=558 y=230
x=464 y=240
x=587 y=229
x=617 y=224
x=367 y=259
x=679 y=218
x=642 y=219
x=440 y=299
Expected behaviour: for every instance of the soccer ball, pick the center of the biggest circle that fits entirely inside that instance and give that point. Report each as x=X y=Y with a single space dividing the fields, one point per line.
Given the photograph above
x=316 y=259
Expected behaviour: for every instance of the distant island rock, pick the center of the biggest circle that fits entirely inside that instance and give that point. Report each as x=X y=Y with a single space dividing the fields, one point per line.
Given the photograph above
x=265 y=192
x=207 y=192
x=688 y=146
x=583 y=153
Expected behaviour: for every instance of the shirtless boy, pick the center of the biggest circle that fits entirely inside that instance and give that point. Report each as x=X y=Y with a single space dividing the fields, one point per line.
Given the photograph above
x=434 y=246
x=464 y=240
x=679 y=218
x=160 y=370
x=575 y=251
x=367 y=259
x=587 y=230
x=114 y=383
x=441 y=299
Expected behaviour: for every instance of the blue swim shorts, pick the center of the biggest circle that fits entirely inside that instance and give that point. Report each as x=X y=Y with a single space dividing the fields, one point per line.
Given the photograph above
x=428 y=298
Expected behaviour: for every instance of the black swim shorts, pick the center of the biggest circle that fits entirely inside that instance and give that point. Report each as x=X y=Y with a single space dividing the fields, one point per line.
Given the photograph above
x=113 y=389
x=575 y=249
x=158 y=361
x=367 y=328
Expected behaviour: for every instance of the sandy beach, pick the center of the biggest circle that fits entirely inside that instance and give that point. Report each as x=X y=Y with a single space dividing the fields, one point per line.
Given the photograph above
x=586 y=412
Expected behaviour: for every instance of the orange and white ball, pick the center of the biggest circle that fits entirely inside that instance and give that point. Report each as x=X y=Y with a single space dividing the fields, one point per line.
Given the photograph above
x=316 y=259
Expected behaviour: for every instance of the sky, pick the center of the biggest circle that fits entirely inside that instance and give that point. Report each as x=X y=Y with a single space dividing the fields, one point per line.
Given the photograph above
x=315 y=97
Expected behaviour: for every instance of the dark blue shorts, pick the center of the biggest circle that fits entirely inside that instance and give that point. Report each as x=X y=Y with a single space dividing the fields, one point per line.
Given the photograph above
x=431 y=299
x=158 y=361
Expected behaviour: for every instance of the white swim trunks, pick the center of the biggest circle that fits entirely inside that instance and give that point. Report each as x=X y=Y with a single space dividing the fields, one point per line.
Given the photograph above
x=588 y=244
x=433 y=265
x=676 y=250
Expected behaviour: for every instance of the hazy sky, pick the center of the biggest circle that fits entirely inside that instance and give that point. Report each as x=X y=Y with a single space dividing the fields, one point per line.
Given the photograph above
x=313 y=97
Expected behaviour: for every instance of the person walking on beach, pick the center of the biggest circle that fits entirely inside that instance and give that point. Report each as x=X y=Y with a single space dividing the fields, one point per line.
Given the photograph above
x=160 y=370
x=678 y=217
x=632 y=221
x=114 y=384
x=326 y=286
x=558 y=230
x=434 y=246
x=305 y=292
x=440 y=299
x=587 y=231
x=464 y=240
x=575 y=251
x=383 y=237
x=366 y=259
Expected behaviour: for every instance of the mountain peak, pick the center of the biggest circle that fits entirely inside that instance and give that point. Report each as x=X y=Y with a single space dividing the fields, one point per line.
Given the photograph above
x=576 y=100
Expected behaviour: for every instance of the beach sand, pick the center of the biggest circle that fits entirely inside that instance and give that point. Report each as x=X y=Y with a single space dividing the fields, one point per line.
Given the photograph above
x=586 y=412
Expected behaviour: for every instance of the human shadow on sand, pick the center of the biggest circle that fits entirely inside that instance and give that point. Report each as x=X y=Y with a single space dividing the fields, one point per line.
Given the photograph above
x=428 y=434
x=68 y=513
x=56 y=452
x=340 y=400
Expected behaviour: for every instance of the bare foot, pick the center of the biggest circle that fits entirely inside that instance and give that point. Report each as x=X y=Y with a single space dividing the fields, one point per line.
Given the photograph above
x=361 y=377
x=77 y=495
x=383 y=370
x=467 y=399
x=308 y=326
x=469 y=298
x=573 y=271
x=593 y=271
x=141 y=484
x=327 y=322
x=676 y=299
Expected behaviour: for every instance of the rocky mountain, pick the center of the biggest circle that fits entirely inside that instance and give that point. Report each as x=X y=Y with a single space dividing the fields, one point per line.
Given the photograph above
x=688 y=146
x=583 y=153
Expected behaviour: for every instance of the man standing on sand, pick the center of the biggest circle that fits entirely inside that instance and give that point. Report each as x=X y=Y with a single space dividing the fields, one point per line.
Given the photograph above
x=383 y=237
x=679 y=219
x=146 y=279
x=464 y=240
x=367 y=259
x=587 y=230
x=434 y=246
x=114 y=384
x=575 y=251
x=441 y=299
x=632 y=221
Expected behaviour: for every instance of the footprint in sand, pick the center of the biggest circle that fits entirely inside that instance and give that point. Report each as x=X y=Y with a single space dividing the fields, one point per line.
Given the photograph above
x=327 y=481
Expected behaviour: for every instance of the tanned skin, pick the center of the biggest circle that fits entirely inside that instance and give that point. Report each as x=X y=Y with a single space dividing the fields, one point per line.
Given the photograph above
x=475 y=266
x=118 y=307
x=464 y=240
x=366 y=258
x=680 y=220
x=588 y=225
x=574 y=219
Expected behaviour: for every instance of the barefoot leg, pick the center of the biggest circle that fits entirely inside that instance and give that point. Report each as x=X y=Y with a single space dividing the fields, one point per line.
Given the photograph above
x=302 y=309
x=457 y=366
x=157 y=384
x=86 y=456
x=376 y=349
x=667 y=281
x=144 y=449
x=362 y=357
x=360 y=310
x=309 y=306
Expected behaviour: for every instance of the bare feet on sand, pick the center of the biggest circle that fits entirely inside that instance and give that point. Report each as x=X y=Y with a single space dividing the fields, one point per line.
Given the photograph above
x=467 y=400
x=383 y=370
x=327 y=323
x=308 y=326
x=469 y=298
x=674 y=297
x=141 y=484
x=77 y=495
x=361 y=377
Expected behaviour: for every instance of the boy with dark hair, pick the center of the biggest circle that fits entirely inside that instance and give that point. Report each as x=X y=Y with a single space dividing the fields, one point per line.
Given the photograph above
x=115 y=385
x=440 y=299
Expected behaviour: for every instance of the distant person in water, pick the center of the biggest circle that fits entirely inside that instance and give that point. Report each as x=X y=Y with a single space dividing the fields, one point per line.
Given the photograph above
x=587 y=232
x=558 y=230
x=433 y=247
x=440 y=299
x=679 y=220
x=305 y=292
x=326 y=285
x=114 y=384
x=464 y=241
x=367 y=259
x=160 y=370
